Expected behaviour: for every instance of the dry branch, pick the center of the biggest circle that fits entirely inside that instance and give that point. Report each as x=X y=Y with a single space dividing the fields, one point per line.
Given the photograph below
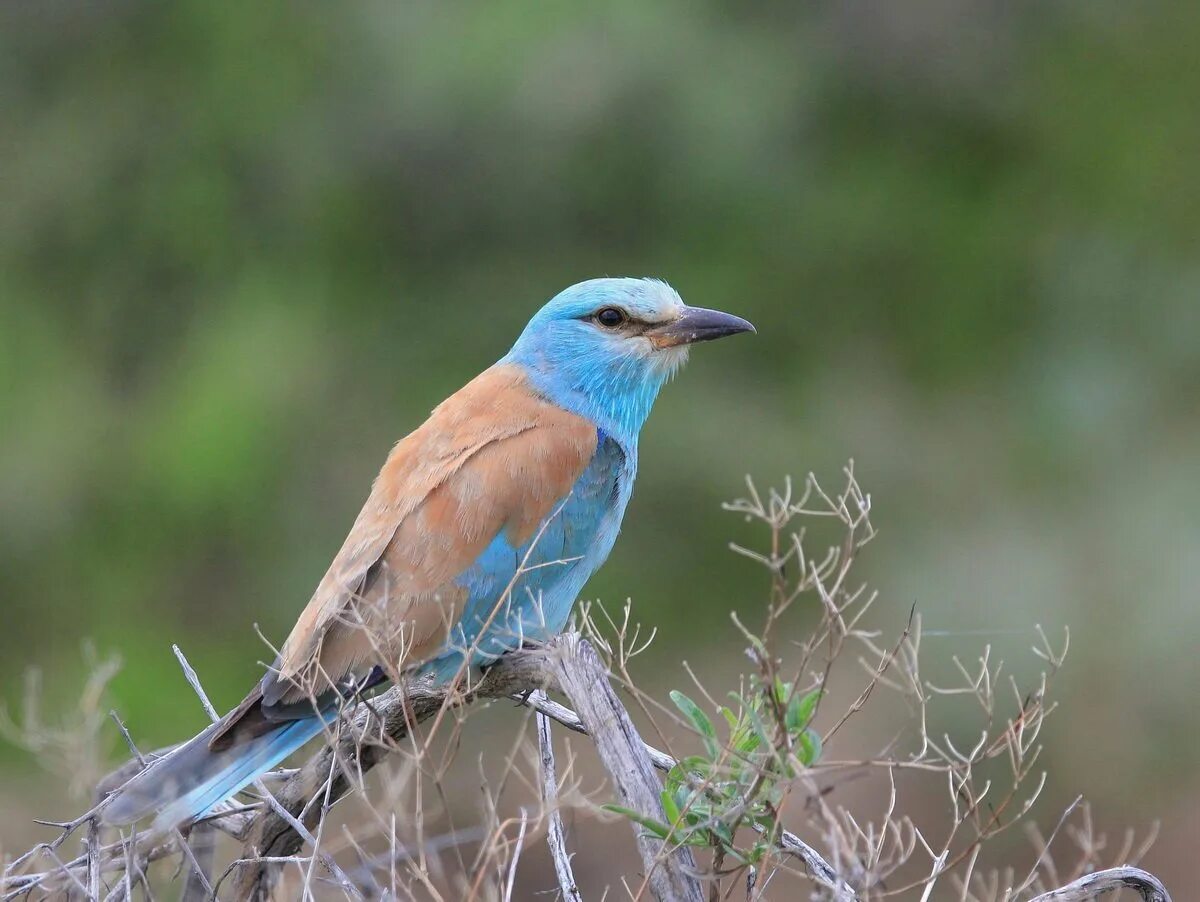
x=583 y=678
x=569 y=663
x=371 y=732
x=556 y=836
x=1093 y=886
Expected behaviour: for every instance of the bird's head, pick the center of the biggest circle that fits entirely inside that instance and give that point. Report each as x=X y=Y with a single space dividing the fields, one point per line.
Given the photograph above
x=604 y=348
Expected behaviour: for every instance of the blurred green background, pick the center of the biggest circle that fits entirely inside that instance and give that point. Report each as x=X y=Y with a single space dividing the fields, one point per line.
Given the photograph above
x=243 y=248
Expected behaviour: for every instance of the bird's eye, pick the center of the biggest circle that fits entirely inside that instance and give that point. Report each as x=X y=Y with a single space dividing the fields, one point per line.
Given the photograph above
x=610 y=317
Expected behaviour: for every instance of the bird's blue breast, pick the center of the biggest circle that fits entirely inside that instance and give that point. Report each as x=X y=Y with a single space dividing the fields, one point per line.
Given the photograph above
x=525 y=593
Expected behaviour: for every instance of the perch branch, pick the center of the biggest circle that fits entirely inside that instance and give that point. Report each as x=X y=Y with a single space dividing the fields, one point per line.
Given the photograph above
x=1093 y=886
x=375 y=728
x=583 y=678
x=370 y=733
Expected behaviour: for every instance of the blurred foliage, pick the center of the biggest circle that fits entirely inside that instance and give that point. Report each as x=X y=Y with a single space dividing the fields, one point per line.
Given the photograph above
x=243 y=248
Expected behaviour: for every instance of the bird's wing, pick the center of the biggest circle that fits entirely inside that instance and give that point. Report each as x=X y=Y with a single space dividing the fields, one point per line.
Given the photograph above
x=493 y=458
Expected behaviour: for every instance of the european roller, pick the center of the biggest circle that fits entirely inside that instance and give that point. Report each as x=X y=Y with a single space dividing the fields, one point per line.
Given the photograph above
x=478 y=534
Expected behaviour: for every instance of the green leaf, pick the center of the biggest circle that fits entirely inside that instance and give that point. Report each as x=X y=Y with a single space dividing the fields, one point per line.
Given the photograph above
x=801 y=709
x=698 y=811
x=699 y=720
x=734 y=722
x=662 y=831
x=738 y=856
x=748 y=742
x=810 y=747
x=697 y=764
x=670 y=807
x=721 y=830
x=686 y=767
x=739 y=726
x=685 y=797
x=676 y=776
x=767 y=822
x=759 y=727
x=782 y=691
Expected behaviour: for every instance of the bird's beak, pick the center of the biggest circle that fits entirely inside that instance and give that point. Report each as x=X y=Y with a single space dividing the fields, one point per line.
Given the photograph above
x=697 y=324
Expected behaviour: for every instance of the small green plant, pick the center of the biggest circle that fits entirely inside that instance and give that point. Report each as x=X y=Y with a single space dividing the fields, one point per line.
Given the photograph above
x=740 y=782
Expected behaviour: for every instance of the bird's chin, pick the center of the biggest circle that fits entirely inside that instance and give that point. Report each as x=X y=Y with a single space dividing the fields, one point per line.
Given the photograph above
x=668 y=360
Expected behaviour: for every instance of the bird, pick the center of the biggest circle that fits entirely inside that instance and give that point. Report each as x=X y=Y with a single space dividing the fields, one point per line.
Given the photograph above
x=477 y=536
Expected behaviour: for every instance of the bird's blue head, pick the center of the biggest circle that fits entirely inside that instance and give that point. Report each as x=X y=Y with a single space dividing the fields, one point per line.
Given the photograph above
x=604 y=348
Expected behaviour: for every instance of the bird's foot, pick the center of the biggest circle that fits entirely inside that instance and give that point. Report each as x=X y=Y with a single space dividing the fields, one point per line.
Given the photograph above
x=522 y=698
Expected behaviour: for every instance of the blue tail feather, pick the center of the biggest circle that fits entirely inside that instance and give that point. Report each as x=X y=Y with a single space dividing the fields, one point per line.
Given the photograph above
x=253 y=760
x=192 y=779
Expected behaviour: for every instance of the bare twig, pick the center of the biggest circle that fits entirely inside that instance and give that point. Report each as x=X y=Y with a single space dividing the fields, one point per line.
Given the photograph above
x=556 y=837
x=194 y=681
x=569 y=719
x=516 y=856
x=197 y=886
x=93 y=857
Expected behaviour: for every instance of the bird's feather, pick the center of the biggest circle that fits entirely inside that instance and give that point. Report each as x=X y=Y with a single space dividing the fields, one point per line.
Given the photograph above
x=492 y=460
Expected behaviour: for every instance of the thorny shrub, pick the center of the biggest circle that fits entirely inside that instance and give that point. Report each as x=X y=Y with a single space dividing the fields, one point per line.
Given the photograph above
x=759 y=768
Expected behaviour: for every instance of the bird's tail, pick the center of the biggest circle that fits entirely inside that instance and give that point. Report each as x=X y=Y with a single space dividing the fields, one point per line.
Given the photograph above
x=193 y=778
